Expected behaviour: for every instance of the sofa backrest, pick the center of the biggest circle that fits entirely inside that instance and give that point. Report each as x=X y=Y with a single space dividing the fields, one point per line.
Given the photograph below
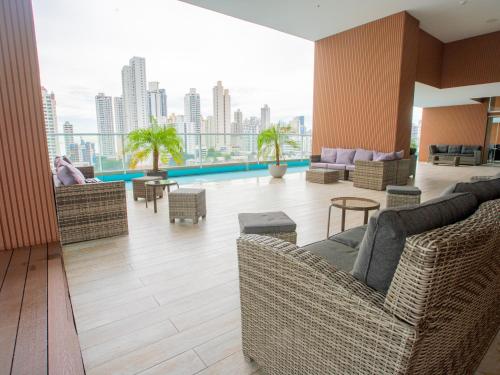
x=449 y=275
x=483 y=190
x=387 y=230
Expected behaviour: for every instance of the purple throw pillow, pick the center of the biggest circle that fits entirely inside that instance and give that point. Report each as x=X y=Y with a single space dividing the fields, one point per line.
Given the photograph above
x=66 y=159
x=328 y=155
x=345 y=155
x=69 y=175
x=384 y=156
x=399 y=154
x=362 y=154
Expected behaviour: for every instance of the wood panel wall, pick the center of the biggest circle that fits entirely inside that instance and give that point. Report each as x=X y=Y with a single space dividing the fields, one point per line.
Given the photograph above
x=471 y=61
x=364 y=81
x=430 y=58
x=27 y=214
x=461 y=124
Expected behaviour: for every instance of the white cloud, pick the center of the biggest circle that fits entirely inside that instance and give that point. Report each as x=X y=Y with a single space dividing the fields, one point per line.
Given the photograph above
x=82 y=46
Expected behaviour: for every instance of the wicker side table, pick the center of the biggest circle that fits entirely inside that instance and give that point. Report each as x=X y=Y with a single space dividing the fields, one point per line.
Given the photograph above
x=186 y=203
x=139 y=187
x=398 y=196
x=322 y=176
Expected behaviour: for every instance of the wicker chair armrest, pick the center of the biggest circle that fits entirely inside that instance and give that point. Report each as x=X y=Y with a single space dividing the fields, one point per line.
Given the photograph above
x=477 y=157
x=371 y=164
x=87 y=171
x=92 y=193
x=315 y=158
x=288 y=294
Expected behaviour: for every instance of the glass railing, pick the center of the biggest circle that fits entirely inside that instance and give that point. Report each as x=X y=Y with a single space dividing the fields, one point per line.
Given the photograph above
x=107 y=152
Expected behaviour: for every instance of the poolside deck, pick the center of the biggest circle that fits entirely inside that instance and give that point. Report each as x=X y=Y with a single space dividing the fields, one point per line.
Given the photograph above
x=164 y=300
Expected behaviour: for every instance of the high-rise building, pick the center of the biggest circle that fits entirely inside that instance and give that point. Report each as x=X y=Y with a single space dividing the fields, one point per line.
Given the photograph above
x=237 y=129
x=87 y=150
x=209 y=139
x=157 y=103
x=68 y=135
x=50 y=117
x=265 y=117
x=104 y=113
x=135 y=99
x=74 y=152
x=192 y=109
x=222 y=112
x=250 y=128
x=119 y=121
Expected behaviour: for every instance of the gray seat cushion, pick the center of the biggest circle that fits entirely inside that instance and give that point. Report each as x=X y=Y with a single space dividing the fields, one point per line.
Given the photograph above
x=319 y=165
x=387 y=230
x=454 y=149
x=337 y=167
x=483 y=190
x=335 y=253
x=351 y=237
x=350 y=167
x=403 y=190
x=265 y=222
x=469 y=149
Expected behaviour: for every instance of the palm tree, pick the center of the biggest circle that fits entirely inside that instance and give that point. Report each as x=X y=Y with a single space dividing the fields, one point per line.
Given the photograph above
x=271 y=140
x=160 y=140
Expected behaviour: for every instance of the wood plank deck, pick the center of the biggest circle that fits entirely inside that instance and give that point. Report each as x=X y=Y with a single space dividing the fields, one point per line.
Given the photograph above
x=37 y=331
x=164 y=300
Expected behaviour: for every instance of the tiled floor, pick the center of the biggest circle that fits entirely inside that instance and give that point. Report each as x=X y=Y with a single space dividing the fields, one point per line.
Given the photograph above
x=164 y=300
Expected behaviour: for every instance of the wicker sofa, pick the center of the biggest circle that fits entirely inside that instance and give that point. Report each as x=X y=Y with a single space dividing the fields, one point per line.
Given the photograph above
x=467 y=154
x=368 y=174
x=301 y=314
x=90 y=211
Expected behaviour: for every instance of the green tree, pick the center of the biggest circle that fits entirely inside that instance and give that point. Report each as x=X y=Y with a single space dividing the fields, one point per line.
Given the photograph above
x=271 y=140
x=158 y=140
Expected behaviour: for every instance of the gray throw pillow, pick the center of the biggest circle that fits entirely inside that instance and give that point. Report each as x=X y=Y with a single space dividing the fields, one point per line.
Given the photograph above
x=483 y=190
x=442 y=149
x=361 y=154
x=328 y=155
x=469 y=149
x=345 y=155
x=385 y=237
x=69 y=175
x=434 y=149
x=454 y=149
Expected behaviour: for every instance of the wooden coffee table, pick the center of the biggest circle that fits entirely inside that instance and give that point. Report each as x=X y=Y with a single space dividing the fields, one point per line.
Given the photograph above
x=156 y=184
x=352 y=204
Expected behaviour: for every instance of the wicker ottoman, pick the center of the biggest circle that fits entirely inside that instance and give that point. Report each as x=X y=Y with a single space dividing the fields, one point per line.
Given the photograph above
x=185 y=203
x=139 y=188
x=322 y=176
x=398 y=196
x=273 y=224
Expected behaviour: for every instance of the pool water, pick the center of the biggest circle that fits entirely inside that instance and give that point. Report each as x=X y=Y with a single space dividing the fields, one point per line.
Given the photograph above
x=214 y=177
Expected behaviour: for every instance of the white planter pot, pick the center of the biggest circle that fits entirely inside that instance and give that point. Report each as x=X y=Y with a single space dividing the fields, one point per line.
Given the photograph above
x=277 y=171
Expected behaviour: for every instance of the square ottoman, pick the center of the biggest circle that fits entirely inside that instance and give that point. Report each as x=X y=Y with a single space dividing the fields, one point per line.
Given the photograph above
x=186 y=203
x=139 y=189
x=322 y=176
x=273 y=224
x=398 y=196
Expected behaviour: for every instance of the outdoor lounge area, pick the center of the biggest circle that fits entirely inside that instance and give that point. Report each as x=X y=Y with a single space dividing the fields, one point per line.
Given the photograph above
x=358 y=234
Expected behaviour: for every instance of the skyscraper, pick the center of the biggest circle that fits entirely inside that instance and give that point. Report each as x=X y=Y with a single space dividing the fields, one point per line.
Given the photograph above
x=119 y=123
x=237 y=128
x=265 y=117
x=135 y=107
x=68 y=135
x=104 y=113
x=222 y=112
x=157 y=102
x=192 y=109
x=50 y=117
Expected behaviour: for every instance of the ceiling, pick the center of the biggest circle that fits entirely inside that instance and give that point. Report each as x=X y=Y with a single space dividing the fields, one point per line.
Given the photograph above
x=428 y=96
x=447 y=20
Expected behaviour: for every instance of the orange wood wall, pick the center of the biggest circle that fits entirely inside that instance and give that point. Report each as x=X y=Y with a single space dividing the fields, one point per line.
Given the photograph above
x=471 y=61
x=430 y=56
x=461 y=124
x=27 y=214
x=363 y=85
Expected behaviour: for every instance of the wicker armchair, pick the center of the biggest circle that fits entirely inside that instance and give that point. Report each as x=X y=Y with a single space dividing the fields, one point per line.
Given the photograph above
x=376 y=175
x=300 y=315
x=91 y=211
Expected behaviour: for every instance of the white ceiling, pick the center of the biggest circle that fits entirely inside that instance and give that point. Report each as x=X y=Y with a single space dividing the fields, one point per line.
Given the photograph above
x=447 y=20
x=428 y=96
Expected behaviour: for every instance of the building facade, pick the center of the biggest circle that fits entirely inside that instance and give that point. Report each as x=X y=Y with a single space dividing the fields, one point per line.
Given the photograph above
x=104 y=113
x=50 y=117
x=265 y=117
x=134 y=92
x=157 y=103
x=222 y=113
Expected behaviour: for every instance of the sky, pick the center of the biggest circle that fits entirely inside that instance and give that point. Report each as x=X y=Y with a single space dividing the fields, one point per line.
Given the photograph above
x=83 y=45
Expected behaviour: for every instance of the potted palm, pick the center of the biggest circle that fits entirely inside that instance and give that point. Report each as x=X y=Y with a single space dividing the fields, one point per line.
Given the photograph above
x=270 y=143
x=162 y=142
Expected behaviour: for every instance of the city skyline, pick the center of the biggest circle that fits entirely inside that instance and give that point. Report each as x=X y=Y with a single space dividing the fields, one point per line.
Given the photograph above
x=80 y=62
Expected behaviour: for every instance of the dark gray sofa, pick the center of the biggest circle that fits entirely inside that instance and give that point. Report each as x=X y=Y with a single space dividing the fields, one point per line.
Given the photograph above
x=468 y=154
